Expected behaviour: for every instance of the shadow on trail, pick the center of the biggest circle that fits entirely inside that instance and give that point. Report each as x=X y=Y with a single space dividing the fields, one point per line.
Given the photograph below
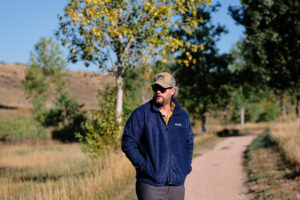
x=233 y=133
x=8 y=107
x=228 y=133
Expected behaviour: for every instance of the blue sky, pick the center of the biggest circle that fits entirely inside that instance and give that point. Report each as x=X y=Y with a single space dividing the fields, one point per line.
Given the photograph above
x=24 y=22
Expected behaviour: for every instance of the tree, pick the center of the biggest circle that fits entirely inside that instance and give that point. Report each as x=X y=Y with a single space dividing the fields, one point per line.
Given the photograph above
x=205 y=79
x=272 y=40
x=117 y=34
x=65 y=117
x=44 y=76
x=246 y=91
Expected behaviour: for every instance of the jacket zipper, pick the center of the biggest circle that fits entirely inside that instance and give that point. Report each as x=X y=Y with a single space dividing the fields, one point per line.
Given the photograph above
x=170 y=153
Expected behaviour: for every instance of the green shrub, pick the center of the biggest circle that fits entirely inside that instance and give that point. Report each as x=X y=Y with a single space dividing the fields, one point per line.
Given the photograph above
x=20 y=129
x=66 y=117
x=270 y=114
x=263 y=140
x=100 y=131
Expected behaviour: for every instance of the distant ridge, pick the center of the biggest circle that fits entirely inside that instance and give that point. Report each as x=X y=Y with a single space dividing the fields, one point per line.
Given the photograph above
x=82 y=86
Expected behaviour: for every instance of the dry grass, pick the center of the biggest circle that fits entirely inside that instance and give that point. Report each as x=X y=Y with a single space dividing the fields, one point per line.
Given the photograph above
x=269 y=176
x=61 y=172
x=287 y=135
x=273 y=161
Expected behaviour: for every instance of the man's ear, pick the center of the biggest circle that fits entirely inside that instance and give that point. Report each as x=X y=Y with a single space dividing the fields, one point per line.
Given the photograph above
x=173 y=91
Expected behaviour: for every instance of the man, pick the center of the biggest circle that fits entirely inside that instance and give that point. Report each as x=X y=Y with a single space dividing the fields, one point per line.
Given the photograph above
x=158 y=140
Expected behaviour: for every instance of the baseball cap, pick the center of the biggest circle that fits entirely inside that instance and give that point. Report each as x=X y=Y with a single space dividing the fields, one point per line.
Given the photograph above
x=165 y=80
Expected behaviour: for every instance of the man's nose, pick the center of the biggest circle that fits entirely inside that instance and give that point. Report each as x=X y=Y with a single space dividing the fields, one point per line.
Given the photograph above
x=158 y=92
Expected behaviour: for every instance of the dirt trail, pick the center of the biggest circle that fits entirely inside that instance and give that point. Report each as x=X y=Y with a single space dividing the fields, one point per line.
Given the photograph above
x=219 y=174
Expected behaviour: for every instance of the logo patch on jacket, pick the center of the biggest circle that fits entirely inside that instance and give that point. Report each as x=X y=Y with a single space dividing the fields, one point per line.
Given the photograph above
x=178 y=124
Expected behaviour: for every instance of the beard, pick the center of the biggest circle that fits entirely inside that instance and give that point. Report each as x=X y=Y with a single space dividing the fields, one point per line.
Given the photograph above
x=160 y=100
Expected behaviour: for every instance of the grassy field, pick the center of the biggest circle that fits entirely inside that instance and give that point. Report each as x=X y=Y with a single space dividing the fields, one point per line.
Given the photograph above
x=273 y=162
x=61 y=171
x=287 y=134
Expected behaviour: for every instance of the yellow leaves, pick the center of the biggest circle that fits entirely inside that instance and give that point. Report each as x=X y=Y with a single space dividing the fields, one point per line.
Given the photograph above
x=201 y=20
x=189 y=56
x=147 y=75
x=194 y=48
x=182 y=10
x=178 y=42
x=151 y=20
x=201 y=47
x=194 y=61
x=163 y=60
x=186 y=63
x=146 y=58
x=188 y=45
x=208 y=3
x=194 y=12
x=95 y=31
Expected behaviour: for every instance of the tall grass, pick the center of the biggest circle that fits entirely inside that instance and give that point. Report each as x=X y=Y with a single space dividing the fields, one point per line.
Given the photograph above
x=21 y=129
x=287 y=134
x=61 y=172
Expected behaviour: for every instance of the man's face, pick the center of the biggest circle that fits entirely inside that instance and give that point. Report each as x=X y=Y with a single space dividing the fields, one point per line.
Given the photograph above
x=162 y=96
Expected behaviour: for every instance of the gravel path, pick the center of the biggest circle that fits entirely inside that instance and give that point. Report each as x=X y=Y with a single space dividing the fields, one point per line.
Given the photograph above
x=219 y=174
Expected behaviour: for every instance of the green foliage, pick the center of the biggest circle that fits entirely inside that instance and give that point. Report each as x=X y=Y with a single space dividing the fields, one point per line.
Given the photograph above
x=40 y=110
x=132 y=31
x=45 y=71
x=263 y=140
x=66 y=116
x=202 y=73
x=252 y=102
x=272 y=29
x=137 y=87
x=100 y=131
x=35 y=84
x=66 y=111
x=44 y=76
x=21 y=129
x=118 y=34
x=270 y=114
x=134 y=85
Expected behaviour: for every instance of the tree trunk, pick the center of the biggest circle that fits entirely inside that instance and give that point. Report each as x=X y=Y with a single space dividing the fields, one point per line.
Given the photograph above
x=283 y=109
x=203 y=120
x=119 y=103
x=298 y=106
x=242 y=117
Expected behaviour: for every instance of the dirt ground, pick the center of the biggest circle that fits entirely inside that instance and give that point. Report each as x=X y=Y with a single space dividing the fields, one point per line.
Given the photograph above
x=219 y=174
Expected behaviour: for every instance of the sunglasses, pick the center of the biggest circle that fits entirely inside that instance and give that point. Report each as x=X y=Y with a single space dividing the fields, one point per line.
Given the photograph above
x=155 y=88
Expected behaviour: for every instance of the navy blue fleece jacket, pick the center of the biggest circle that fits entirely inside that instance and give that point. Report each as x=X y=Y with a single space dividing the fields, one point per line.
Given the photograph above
x=161 y=154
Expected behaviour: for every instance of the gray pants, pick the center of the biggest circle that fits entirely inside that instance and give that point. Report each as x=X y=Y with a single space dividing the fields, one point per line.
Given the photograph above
x=145 y=191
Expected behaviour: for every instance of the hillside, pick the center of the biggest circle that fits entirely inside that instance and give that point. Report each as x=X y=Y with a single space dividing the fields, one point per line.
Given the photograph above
x=82 y=86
